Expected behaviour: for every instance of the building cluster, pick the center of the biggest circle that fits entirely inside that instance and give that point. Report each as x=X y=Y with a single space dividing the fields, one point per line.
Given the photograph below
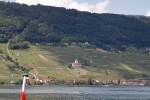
x=52 y=80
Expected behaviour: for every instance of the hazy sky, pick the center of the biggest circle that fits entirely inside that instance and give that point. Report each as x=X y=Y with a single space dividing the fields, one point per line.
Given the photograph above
x=131 y=7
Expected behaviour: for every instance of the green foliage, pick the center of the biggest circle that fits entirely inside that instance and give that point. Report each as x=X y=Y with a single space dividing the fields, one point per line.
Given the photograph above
x=43 y=24
x=19 y=45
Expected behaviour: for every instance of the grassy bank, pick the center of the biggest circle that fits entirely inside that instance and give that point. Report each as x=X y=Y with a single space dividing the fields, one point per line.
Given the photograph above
x=54 y=61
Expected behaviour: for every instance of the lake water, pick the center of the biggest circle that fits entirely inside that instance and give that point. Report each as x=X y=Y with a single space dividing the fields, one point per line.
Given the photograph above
x=77 y=93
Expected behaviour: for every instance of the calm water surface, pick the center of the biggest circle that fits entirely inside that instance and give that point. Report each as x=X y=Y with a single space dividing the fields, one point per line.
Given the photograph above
x=77 y=93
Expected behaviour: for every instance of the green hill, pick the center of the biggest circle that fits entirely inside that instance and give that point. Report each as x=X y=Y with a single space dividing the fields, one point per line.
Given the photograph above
x=45 y=41
x=44 y=24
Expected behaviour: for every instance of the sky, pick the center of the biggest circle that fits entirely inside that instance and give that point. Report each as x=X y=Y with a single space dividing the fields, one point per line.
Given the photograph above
x=128 y=7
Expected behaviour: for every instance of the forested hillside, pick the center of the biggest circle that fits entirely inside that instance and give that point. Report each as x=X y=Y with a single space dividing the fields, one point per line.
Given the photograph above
x=43 y=24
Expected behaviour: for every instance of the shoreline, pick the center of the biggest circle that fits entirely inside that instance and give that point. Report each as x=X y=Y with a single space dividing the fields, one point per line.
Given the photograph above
x=70 y=86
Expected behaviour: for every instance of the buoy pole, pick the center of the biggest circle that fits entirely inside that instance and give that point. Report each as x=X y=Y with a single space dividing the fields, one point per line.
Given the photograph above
x=22 y=93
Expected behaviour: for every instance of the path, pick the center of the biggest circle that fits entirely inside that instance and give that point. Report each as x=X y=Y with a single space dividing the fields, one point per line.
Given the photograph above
x=43 y=58
x=8 y=51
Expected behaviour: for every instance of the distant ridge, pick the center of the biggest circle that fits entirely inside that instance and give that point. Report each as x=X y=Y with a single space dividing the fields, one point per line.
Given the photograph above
x=44 y=24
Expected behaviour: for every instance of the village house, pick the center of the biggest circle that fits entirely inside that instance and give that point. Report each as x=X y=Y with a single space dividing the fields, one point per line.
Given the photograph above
x=147 y=51
x=76 y=64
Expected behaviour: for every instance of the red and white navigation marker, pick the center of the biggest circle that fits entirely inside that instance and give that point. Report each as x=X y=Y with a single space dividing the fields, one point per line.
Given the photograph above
x=22 y=93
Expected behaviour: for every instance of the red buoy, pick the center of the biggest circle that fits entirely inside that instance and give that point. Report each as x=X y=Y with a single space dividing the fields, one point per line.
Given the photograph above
x=22 y=96
x=22 y=93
